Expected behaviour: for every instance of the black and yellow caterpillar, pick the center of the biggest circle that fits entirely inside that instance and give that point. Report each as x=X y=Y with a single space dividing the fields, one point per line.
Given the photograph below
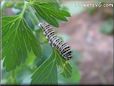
x=55 y=41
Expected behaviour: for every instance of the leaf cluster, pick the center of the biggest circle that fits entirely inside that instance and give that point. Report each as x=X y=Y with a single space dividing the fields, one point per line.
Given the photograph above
x=25 y=46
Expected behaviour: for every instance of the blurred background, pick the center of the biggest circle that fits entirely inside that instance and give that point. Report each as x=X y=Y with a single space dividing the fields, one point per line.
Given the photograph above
x=90 y=32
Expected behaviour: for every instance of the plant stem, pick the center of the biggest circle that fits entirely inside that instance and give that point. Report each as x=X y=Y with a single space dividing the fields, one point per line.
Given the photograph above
x=24 y=8
x=34 y=16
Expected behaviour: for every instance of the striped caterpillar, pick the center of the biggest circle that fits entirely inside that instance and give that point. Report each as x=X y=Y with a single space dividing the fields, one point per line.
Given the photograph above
x=55 y=41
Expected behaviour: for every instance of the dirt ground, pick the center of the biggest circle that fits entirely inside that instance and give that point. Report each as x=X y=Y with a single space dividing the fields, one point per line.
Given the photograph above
x=96 y=61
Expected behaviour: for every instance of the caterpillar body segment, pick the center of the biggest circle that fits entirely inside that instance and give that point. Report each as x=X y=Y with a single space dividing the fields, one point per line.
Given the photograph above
x=55 y=41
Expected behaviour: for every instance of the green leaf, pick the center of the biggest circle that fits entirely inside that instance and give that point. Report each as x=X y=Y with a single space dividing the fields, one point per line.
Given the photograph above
x=74 y=79
x=50 y=11
x=55 y=13
x=18 y=40
x=28 y=20
x=52 y=3
x=65 y=13
x=67 y=70
x=22 y=74
x=64 y=65
x=45 y=68
x=50 y=19
x=46 y=73
x=46 y=53
x=74 y=71
x=40 y=36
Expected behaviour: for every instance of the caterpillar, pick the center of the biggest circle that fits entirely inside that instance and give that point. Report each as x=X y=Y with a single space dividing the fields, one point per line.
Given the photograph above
x=63 y=48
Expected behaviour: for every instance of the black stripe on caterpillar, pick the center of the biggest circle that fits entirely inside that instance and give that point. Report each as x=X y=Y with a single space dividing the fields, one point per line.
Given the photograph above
x=55 y=41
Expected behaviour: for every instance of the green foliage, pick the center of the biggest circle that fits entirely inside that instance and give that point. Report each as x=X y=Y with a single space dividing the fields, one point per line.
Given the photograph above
x=26 y=50
x=66 y=68
x=74 y=79
x=49 y=11
x=46 y=73
x=18 y=39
